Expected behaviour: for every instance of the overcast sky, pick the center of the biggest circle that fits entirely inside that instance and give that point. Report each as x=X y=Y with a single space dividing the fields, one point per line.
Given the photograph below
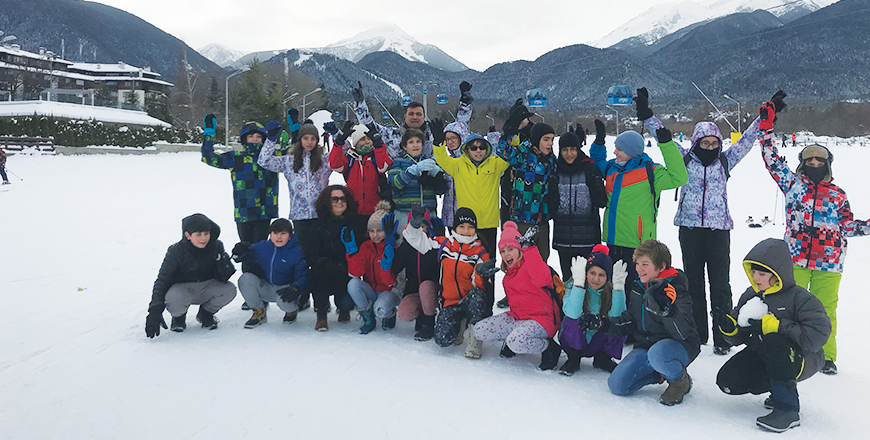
x=477 y=33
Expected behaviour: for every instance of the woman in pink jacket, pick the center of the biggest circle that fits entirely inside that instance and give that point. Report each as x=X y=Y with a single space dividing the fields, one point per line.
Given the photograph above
x=534 y=316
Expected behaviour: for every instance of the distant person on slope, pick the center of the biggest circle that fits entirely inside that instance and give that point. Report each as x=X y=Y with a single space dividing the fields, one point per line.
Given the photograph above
x=3 y=167
x=818 y=221
x=703 y=216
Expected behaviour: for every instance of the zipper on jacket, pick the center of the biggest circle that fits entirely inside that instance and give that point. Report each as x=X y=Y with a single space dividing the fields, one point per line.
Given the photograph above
x=272 y=266
x=456 y=272
x=812 y=221
x=703 y=196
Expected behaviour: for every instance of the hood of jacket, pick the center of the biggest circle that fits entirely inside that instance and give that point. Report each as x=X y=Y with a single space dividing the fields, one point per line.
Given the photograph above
x=460 y=129
x=773 y=254
x=214 y=229
x=472 y=137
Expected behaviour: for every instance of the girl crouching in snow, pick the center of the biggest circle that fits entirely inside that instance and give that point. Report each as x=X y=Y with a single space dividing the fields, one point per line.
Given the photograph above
x=533 y=319
x=593 y=292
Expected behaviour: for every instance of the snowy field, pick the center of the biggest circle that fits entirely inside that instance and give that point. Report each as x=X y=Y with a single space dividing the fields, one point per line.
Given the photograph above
x=82 y=238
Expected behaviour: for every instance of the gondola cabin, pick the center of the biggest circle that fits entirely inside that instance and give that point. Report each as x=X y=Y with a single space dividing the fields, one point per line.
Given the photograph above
x=406 y=100
x=537 y=98
x=441 y=98
x=385 y=115
x=619 y=94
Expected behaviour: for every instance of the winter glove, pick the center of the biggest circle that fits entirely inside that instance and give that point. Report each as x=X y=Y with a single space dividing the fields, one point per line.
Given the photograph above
x=345 y=133
x=465 y=93
x=492 y=129
x=659 y=298
x=600 y=133
x=437 y=127
x=578 y=272
x=777 y=101
x=528 y=239
x=289 y=294
x=414 y=170
x=349 y=240
x=273 y=129
x=154 y=321
x=664 y=135
x=240 y=249
x=754 y=327
x=515 y=117
x=427 y=165
x=330 y=128
x=209 y=122
x=725 y=322
x=387 y=259
x=357 y=92
x=434 y=172
x=767 y=113
x=594 y=322
x=293 y=120
x=620 y=273
x=769 y=324
x=418 y=215
x=391 y=226
x=224 y=268
x=435 y=226
x=486 y=269
x=642 y=104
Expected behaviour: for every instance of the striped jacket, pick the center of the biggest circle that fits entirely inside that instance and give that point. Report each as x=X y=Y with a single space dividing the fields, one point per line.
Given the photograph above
x=255 y=189
x=409 y=189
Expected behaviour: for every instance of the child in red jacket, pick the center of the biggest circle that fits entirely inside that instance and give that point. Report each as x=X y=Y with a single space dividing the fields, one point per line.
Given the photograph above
x=363 y=164
x=534 y=316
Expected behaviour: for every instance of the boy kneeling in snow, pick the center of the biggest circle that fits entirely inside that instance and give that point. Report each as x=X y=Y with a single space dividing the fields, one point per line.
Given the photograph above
x=784 y=328
x=659 y=317
x=279 y=274
x=195 y=270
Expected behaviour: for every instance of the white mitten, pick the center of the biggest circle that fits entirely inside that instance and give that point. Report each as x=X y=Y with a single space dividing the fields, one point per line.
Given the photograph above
x=578 y=271
x=620 y=273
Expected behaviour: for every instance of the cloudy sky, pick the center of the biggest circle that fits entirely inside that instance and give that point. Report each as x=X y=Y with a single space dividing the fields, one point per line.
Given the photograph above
x=477 y=33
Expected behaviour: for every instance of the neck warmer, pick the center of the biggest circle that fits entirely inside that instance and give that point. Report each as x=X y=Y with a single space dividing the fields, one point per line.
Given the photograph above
x=815 y=174
x=707 y=156
x=463 y=239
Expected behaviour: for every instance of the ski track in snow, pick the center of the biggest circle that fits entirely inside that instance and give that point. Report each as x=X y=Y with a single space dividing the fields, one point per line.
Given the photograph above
x=76 y=363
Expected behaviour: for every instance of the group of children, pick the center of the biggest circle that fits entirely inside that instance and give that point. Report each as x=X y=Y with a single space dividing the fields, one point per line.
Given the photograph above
x=376 y=245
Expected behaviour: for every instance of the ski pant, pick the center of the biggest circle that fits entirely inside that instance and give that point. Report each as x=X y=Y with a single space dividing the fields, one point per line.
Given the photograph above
x=3 y=173
x=711 y=248
x=568 y=254
x=521 y=336
x=488 y=238
x=626 y=254
x=211 y=295
x=542 y=240
x=302 y=230
x=424 y=302
x=365 y=298
x=256 y=291
x=472 y=308
x=771 y=365
x=573 y=338
x=666 y=359
x=826 y=287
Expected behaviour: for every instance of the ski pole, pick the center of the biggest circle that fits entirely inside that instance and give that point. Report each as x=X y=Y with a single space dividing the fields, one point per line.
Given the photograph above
x=16 y=175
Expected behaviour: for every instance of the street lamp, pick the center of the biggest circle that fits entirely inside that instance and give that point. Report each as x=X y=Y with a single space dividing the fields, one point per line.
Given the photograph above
x=617 y=118
x=542 y=118
x=227 y=104
x=738 y=111
x=303 y=101
x=286 y=100
x=491 y=119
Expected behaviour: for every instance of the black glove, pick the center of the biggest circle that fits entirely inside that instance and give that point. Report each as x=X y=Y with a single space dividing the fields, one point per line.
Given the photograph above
x=594 y=322
x=754 y=327
x=659 y=298
x=486 y=269
x=517 y=114
x=723 y=321
x=663 y=135
x=240 y=249
x=642 y=104
x=528 y=239
x=437 y=127
x=290 y=293
x=154 y=321
x=345 y=133
x=418 y=215
x=465 y=93
x=292 y=116
x=224 y=268
x=357 y=92
x=600 y=133
x=778 y=104
x=375 y=135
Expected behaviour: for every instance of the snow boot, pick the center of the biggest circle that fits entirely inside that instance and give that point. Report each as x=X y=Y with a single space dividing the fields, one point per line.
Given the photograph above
x=473 y=346
x=676 y=390
x=550 y=356
x=321 y=325
x=368 y=318
x=290 y=317
x=572 y=365
x=245 y=306
x=503 y=303
x=829 y=368
x=303 y=302
x=425 y=327
x=463 y=325
x=721 y=351
x=768 y=403
x=257 y=317
x=506 y=351
x=179 y=323
x=207 y=319
x=779 y=420
x=388 y=323
x=603 y=361
x=344 y=316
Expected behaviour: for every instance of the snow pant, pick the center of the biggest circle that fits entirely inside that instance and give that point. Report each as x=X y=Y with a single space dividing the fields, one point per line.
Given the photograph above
x=365 y=297
x=488 y=238
x=253 y=232
x=424 y=302
x=826 y=287
x=626 y=254
x=256 y=291
x=3 y=173
x=302 y=230
x=771 y=365
x=472 y=309
x=666 y=359
x=211 y=295
x=568 y=254
x=542 y=240
x=711 y=248
x=573 y=337
x=521 y=336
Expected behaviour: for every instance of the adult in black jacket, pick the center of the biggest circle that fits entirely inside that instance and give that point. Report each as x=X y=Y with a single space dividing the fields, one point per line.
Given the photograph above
x=336 y=210
x=195 y=270
x=575 y=197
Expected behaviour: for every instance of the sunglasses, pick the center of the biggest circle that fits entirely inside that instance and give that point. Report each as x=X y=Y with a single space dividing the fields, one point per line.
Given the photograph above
x=475 y=148
x=341 y=199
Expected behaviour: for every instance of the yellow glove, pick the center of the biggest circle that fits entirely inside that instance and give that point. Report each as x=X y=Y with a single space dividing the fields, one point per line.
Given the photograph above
x=769 y=324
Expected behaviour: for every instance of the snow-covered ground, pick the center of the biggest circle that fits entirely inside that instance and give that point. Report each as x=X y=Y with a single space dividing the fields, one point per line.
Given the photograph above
x=82 y=238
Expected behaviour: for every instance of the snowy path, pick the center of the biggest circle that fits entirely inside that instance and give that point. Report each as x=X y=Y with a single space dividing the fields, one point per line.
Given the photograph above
x=76 y=363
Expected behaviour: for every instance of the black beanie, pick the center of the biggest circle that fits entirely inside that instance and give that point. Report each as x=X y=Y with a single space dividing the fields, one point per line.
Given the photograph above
x=758 y=267
x=538 y=131
x=464 y=215
x=569 y=140
x=196 y=223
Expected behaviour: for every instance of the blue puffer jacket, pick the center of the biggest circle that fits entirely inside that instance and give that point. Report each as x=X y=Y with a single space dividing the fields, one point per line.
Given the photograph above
x=281 y=265
x=704 y=199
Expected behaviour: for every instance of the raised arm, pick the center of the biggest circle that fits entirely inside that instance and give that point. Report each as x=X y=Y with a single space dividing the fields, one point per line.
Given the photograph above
x=673 y=174
x=223 y=161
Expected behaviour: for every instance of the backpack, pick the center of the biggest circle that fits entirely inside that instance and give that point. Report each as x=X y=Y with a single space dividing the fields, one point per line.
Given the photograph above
x=557 y=292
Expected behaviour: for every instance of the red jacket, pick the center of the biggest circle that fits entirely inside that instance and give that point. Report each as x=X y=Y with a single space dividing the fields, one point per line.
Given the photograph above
x=366 y=263
x=527 y=285
x=361 y=174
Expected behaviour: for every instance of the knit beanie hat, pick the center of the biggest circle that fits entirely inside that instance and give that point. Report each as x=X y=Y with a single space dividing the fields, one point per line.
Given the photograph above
x=538 y=131
x=569 y=140
x=510 y=236
x=704 y=129
x=381 y=209
x=464 y=215
x=460 y=129
x=359 y=131
x=631 y=143
x=600 y=258
x=308 y=129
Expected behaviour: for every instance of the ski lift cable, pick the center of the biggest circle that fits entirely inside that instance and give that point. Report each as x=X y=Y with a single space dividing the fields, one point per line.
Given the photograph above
x=386 y=110
x=714 y=107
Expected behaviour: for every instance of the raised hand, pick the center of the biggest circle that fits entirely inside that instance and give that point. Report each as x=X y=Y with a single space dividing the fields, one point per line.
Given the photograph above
x=620 y=273
x=600 y=132
x=465 y=93
x=642 y=104
x=209 y=123
x=273 y=129
x=349 y=240
x=357 y=92
x=578 y=271
x=437 y=127
x=345 y=133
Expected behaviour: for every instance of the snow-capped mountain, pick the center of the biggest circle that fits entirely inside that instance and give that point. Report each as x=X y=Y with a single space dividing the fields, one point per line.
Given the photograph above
x=220 y=54
x=390 y=38
x=661 y=20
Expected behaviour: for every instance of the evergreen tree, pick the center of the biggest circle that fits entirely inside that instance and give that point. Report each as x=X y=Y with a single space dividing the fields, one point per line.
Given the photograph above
x=215 y=98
